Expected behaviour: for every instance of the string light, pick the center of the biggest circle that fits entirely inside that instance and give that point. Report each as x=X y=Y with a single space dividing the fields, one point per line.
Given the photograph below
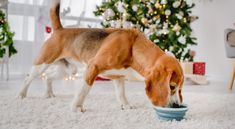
x=71 y=77
x=164 y=6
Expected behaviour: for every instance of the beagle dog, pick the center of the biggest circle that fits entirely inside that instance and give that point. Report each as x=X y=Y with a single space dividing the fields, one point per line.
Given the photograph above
x=104 y=50
x=60 y=69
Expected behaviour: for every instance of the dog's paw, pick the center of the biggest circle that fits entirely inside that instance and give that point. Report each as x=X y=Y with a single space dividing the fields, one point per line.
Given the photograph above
x=77 y=109
x=21 y=95
x=49 y=95
x=126 y=107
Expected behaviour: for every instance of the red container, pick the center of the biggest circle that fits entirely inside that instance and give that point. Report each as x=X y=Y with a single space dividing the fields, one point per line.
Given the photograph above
x=199 y=68
x=101 y=79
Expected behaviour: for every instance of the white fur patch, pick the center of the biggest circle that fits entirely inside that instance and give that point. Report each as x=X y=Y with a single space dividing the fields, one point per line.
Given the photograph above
x=175 y=98
x=80 y=96
x=129 y=74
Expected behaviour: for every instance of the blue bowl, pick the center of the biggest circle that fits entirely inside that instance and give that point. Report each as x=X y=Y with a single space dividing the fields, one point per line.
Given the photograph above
x=168 y=113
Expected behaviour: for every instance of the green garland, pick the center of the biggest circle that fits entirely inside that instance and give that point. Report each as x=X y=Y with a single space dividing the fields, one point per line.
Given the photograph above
x=6 y=37
x=166 y=22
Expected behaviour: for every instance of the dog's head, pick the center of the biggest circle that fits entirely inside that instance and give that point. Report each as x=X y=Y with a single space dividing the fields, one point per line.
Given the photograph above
x=164 y=82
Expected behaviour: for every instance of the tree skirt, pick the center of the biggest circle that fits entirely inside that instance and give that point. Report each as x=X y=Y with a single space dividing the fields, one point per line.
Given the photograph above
x=206 y=111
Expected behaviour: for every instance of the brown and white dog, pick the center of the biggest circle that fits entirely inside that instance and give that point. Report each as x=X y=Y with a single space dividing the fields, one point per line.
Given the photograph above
x=60 y=69
x=103 y=50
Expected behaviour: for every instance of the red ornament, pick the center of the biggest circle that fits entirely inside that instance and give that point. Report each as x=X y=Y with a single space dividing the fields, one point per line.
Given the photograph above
x=101 y=79
x=199 y=68
x=48 y=29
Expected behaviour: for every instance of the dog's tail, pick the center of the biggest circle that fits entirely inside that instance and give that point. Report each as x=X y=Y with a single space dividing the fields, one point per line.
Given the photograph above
x=55 y=15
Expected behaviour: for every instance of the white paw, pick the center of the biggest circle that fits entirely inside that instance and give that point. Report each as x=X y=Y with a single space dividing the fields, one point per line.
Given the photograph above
x=21 y=95
x=125 y=107
x=75 y=108
x=49 y=95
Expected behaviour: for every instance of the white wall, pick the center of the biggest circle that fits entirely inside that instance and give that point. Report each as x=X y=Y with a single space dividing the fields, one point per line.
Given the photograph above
x=29 y=36
x=214 y=17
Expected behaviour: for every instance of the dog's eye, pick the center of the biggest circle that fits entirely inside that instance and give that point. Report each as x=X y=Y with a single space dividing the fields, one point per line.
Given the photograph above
x=172 y=87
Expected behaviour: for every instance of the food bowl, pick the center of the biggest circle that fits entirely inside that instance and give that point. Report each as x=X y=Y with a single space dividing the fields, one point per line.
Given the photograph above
x=175 y=112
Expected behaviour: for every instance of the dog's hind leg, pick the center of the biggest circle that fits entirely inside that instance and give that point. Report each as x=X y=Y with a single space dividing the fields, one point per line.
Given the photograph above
x=49 y=91
x=120 y=93
x=36 y=70
x=56 y=71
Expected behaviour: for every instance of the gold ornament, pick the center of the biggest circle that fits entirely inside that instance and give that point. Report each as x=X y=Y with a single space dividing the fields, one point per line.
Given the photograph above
x=157 y=5
x=176 y=28
x=153 y=28
x=144 y=21
x=125 y=15
x=157 y=17
x=164 y=6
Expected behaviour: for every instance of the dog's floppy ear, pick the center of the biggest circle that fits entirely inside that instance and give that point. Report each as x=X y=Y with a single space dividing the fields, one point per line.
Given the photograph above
x=148 y=81
x=148 y=85
x=180 y=88
x=157 y=87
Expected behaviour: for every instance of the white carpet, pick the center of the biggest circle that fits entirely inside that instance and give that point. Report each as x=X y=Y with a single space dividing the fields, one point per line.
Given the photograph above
x=206 y=111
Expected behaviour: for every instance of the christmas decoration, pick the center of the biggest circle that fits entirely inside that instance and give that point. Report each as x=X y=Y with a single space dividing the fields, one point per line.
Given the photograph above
x=65 y=11
x=199 y=68
x=98 y=78
x=166 y=22
x=6 y=37
x=192 y=53
x=48 y=29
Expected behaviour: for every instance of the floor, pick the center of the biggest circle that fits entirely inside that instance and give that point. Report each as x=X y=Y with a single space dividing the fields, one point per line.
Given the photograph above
x=210 y=106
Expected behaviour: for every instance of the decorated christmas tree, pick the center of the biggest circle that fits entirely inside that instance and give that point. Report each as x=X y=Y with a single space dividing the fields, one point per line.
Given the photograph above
x=165 y=22
x=6 y=37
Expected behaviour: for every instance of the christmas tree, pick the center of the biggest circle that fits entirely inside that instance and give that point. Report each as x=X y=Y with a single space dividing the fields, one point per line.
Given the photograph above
x=6 y=37
x=165 y=22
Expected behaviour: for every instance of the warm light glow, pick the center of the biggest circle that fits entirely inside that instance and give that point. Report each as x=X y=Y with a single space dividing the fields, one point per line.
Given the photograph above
x=76 y=75
x=43 y=76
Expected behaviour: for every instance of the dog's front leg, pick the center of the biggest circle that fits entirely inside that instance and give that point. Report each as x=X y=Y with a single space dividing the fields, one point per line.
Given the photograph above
x=89 y=77
x=79 y=97
x=120 y=93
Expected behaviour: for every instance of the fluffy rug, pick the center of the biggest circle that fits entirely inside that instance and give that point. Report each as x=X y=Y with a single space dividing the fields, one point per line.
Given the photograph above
x=206 y=111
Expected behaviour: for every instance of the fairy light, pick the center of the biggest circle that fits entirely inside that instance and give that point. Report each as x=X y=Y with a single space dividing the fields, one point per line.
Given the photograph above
x=71 y=77
x=43 y=76
x=164 y=6
x=76 y=75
